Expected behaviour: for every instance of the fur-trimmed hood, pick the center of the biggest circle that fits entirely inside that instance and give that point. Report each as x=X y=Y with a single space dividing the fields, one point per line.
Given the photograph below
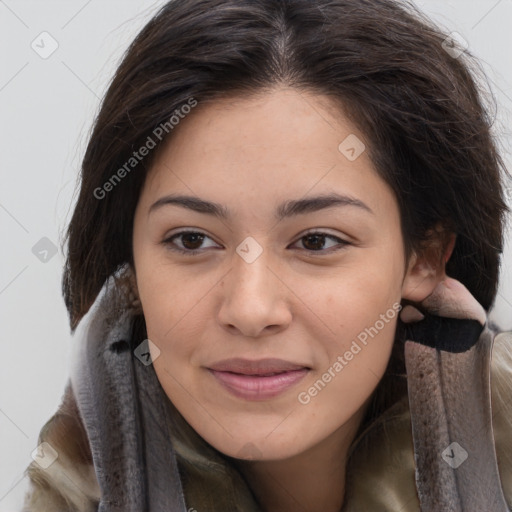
x=117 y=443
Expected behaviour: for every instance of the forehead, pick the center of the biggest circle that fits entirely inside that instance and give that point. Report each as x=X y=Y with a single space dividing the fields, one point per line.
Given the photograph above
x=268 y=146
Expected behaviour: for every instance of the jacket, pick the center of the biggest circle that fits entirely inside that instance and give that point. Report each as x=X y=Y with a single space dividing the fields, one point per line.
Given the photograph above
x=117 y=443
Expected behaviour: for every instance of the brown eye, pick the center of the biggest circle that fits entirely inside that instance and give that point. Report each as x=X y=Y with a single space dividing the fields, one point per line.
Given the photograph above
x=189 y=242
x=314 y=242
x=192 y=240
x=321 y=242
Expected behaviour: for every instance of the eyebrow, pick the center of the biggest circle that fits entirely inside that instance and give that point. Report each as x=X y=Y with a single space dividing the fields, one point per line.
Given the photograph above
x=284 y=210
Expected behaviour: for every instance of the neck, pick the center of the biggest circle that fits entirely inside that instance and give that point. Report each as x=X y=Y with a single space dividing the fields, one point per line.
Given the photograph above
x=311 y=481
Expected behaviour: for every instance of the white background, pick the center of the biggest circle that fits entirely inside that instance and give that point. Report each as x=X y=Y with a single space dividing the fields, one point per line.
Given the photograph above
x=46 y=110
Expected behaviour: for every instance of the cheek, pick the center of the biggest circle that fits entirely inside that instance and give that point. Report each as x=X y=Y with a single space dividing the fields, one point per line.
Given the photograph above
x=168 y=293
x=362 y=306
x=357 y=297
x=366 y=328
x=355 y=360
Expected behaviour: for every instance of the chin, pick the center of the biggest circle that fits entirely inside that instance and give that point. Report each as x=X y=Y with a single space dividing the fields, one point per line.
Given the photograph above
x=261 y=445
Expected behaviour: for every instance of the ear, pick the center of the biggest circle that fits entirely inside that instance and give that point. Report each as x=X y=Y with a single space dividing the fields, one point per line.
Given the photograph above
x=426 y=269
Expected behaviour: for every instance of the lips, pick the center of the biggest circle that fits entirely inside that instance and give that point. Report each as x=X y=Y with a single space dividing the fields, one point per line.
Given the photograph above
x=257 y=380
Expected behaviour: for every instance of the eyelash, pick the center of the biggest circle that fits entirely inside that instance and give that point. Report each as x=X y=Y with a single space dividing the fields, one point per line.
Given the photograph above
x=194 y=252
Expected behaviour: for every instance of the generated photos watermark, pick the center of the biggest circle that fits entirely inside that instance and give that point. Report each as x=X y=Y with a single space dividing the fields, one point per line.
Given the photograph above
x=157 y=135
x=304 y=397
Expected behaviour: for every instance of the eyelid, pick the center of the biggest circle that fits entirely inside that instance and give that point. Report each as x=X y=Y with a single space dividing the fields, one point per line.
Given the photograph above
x=167 y=240
x=342 y=243
x=322 y=231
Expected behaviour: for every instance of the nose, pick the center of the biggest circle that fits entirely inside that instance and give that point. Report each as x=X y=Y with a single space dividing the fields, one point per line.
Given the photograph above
x=254 y=299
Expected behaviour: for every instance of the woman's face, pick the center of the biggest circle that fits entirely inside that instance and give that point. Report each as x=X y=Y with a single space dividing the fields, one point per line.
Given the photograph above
x=276 y=324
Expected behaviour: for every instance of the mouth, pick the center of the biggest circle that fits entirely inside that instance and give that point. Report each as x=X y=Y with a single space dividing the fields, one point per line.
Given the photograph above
x=257 y=380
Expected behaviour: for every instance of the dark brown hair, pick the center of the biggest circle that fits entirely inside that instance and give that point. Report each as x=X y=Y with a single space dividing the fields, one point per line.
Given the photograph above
x=384 y=63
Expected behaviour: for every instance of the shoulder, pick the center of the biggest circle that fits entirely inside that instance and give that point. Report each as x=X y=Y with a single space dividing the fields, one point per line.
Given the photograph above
x=501 y=394
x=381 y=472
x=69 y=483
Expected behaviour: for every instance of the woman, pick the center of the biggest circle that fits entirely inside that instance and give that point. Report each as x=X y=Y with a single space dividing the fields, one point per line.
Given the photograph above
x=271 y=202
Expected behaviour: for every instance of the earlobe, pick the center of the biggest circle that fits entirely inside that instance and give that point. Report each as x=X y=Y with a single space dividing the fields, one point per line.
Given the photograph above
x=421 y=279
x=427 y=270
